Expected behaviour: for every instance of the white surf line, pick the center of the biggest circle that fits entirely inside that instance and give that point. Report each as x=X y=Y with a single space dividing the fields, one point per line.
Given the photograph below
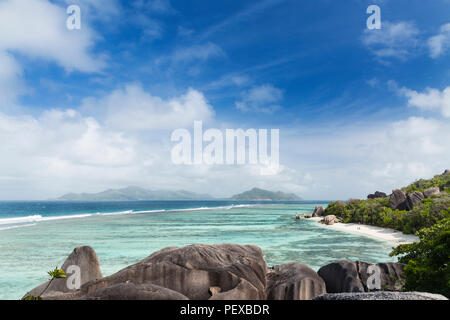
x=385 y=234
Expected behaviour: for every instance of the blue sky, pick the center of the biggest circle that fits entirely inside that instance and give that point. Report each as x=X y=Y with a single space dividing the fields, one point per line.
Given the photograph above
x=88 y=109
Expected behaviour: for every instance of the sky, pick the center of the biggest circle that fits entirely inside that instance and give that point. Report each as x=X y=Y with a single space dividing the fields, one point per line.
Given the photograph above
x=93 y=108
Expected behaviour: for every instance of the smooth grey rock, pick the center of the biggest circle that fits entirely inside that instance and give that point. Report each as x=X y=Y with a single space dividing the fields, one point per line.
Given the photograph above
x=330 y=220
x=353 y=276
x=397 y=200
x=381 y=295
x=431 y=191
x=318 y=211
x=83 y=257
x=413 y=200
x=239 y=272
x=294 y=281
x=341 y=276
x=132 y=291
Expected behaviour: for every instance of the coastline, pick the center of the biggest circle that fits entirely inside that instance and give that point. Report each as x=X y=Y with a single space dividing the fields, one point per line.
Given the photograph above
x=380 y=233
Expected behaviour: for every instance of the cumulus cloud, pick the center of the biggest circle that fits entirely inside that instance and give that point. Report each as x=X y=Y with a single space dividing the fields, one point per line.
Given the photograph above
x=353 y=161
x=431 y=99
x=440 y=43
x=131 y=108
x=37 y=29
x=264 y=98
x=59 y=148
x=11 y=83
x=394 y=40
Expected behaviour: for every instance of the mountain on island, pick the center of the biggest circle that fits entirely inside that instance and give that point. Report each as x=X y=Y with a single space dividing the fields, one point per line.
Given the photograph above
x=257 y=194
x=135 y=194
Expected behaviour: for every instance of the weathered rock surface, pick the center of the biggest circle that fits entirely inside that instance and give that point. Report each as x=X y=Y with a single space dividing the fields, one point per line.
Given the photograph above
x=238 y=272
x=330 y=220
x=414 y=199
x=294 y=281
x=353 y=276
x=381 y=295
x=228 y=272
x=318 y=211
x=132 y=291
x=377 y=195
x=86 y=259
x=397 y=200
x=431 y=191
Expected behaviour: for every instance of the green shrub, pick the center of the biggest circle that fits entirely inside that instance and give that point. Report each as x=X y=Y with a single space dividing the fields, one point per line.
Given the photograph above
x=428 y=261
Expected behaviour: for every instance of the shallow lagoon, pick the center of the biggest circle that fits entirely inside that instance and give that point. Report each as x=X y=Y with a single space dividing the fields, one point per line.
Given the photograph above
x=29 y=250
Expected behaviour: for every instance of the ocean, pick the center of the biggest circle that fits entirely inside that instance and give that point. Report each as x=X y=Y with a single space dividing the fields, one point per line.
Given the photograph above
x=38 y=236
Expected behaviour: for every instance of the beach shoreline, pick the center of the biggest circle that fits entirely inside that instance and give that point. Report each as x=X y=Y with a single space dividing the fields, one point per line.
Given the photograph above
x=374 y=232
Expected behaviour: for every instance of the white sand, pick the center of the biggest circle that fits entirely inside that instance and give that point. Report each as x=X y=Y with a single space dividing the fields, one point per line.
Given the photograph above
x=391 y=235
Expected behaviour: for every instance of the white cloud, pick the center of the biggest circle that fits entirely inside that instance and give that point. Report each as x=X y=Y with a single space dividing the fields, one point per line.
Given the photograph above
x=197 y=52
x=353 y=161
x=431 y=99
x=439 y=44
x=264 y=98
x=37 y=29
x=10 y=79
x=394 y=40
x=59 y=149
x=131 y=108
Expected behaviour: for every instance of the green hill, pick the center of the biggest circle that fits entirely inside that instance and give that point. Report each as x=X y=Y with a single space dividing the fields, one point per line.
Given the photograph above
x=135 y=194
x=257 y=194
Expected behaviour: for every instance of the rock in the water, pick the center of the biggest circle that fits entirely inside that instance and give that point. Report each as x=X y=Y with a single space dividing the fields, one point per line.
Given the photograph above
x=294 y=281
x=86 y=259
x=318 y=211
x=397 y=200
x=431 y=191
x=377 y=195
x=330 y=220
x=359 y=276
x=381 y=295
x=132 y=291
x=239 y=272
x=413 y=200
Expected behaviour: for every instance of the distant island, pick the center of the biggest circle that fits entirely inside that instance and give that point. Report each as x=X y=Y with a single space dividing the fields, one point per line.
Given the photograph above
x=141 y=194
x=257 y=194
x=135 y=194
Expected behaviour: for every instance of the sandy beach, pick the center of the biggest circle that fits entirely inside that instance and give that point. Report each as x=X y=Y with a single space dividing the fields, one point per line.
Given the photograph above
x=391 y=235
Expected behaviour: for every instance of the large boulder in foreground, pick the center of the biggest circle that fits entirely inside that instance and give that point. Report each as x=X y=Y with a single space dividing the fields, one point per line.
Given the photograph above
x=381 y=295
x=86 y=259
x=132 y=291
x=397 y=200
x=294 y=281
x=413 y=200
x=359 y=276
x=199 y=272
x=318 y=212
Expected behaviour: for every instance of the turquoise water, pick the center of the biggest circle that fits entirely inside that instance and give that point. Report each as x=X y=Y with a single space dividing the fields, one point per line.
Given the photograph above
x=29 y=248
